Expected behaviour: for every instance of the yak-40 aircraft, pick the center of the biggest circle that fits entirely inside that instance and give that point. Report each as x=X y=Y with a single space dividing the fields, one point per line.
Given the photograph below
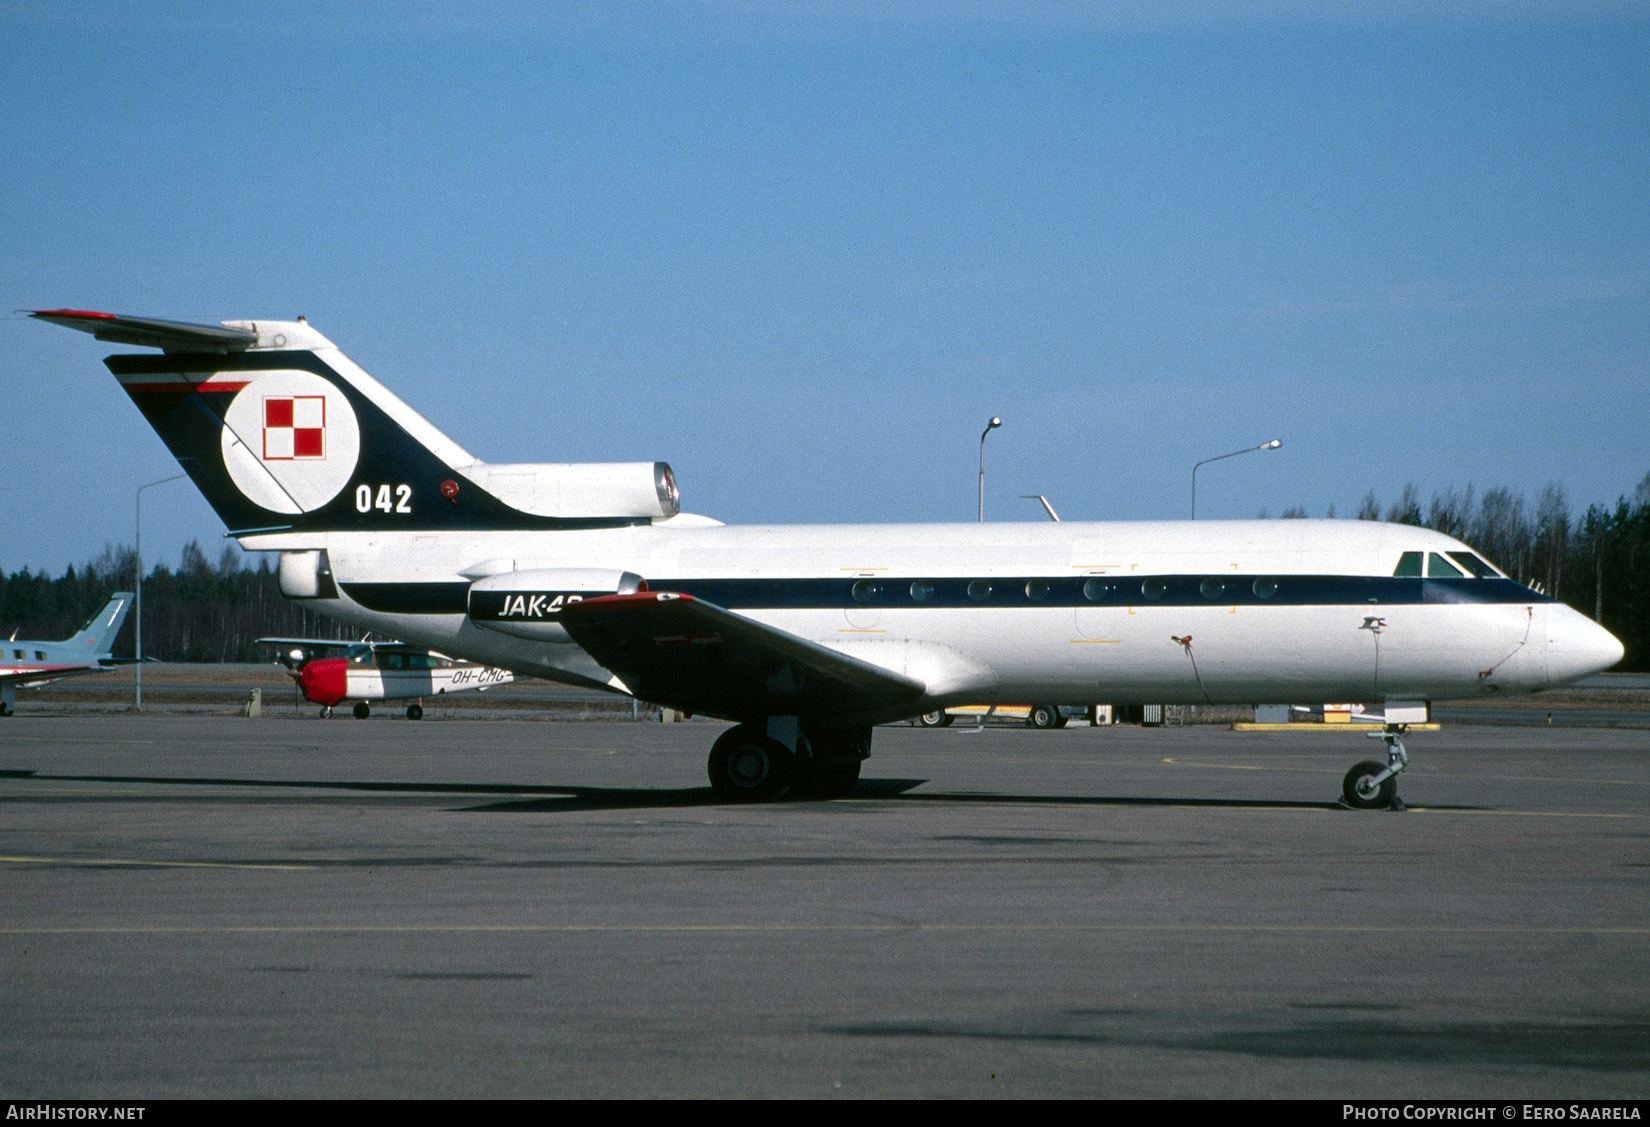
x=806 y=636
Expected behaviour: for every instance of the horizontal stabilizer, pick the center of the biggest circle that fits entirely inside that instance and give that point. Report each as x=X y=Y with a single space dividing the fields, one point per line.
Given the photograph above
x=172 y=336
x=685 y=653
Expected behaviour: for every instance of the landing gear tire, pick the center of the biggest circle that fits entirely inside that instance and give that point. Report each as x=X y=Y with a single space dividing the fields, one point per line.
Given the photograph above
x=747 y=766
x=1044 y=716
x=326 y=712
x=1360 y=795
x=832 y=771
x=825 y=780
x=5 y=710
x=939 y=719
x=362 y=711
x=414 y=712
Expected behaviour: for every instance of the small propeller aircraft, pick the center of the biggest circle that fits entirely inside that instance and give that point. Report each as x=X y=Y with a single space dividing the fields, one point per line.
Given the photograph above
x=30 y=663
x=369 y=671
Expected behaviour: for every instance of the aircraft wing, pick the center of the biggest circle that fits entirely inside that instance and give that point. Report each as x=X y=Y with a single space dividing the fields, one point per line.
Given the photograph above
x=688 y=654
x=46 y=676
x=172 y=336
x=310 y=643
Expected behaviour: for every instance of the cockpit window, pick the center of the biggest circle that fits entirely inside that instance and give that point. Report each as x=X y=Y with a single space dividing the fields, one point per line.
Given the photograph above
x=1440 y=568
x=1477 y=567
x=1409 y=566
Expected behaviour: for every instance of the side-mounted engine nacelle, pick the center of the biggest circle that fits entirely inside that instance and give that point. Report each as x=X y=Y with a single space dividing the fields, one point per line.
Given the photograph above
x=528 y=604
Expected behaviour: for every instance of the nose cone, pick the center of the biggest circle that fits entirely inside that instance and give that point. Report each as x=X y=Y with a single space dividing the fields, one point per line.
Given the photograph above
x=1577 y=647
x=325 y=681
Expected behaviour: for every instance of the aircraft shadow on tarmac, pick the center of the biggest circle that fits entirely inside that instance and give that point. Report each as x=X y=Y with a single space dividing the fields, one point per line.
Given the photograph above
x=548 y=798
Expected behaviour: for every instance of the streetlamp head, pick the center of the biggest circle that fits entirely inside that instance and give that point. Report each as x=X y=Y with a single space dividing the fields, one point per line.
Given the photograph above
x=994 y=423
x=1273 y=445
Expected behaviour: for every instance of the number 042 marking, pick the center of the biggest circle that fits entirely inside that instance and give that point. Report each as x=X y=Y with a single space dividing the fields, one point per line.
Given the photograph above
x=366 y=500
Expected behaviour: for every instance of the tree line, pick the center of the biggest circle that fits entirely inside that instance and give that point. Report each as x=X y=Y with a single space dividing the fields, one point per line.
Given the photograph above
x=1597 y=561
x=200 y=612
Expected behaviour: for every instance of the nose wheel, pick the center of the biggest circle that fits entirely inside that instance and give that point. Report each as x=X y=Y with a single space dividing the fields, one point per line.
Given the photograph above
x=1372 y=785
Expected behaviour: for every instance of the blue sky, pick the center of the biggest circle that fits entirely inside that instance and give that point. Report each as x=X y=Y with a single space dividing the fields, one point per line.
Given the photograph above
x=803 y=252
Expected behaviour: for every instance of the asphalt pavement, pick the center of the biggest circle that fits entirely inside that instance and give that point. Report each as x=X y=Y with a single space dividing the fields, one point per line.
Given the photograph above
x=218 y=906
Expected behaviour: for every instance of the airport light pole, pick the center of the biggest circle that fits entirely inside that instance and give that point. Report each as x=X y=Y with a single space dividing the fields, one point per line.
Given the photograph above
x=989 y=427
x=1272 y=445
x=139 y=522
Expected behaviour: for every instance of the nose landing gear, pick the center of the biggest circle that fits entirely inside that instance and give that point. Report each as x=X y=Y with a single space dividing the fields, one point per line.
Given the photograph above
x=1373 y=786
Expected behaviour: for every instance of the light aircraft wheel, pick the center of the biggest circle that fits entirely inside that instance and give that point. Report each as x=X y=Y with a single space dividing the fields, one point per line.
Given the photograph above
x=1043 y=716
x=414 y=712
x=746 y=766
x=326 y=712
x=362 y=711
x=5 y=710
x=1360 y=795
x=937 y=719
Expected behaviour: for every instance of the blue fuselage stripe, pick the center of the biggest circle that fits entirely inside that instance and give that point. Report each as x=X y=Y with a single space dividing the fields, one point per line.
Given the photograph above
x=1012 y=592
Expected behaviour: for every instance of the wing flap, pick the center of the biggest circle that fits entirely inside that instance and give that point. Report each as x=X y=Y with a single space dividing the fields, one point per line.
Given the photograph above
x=685 y=653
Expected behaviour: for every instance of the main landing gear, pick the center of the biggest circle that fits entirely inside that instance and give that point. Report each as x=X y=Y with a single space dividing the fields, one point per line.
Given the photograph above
x=1372 y=785
x=362 y=710
x=749 y=765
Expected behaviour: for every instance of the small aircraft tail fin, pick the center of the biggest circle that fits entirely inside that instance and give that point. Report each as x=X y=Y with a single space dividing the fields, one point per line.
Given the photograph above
x=99 y=635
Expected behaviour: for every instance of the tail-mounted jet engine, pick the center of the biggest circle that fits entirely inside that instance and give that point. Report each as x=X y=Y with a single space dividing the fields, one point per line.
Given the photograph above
x=528 y=604
x=595 y=489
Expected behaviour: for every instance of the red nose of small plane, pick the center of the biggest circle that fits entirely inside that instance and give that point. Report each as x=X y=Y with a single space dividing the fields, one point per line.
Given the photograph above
x=325 y=680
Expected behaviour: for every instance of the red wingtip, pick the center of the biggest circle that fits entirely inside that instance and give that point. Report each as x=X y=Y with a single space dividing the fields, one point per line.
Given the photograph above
x=73 y=313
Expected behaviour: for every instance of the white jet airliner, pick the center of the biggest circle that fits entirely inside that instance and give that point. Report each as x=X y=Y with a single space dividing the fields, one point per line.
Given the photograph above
x=808 y=635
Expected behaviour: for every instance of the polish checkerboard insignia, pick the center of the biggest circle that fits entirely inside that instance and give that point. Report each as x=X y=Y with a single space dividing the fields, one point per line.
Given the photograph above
x=295 y=426
x=291 y=441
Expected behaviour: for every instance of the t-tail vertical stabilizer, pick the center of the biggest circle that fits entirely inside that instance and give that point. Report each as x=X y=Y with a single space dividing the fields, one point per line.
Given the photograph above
x=284 y=433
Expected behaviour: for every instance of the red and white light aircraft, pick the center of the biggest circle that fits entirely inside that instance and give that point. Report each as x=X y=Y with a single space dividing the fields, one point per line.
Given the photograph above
x=367 y=671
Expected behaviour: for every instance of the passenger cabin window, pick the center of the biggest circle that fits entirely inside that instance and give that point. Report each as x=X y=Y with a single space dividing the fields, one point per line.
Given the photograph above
x=1475 y=566
x=18 y=654
x=40 y=655
x=1440 y=568
x=392 y=661
x=1409 y=566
